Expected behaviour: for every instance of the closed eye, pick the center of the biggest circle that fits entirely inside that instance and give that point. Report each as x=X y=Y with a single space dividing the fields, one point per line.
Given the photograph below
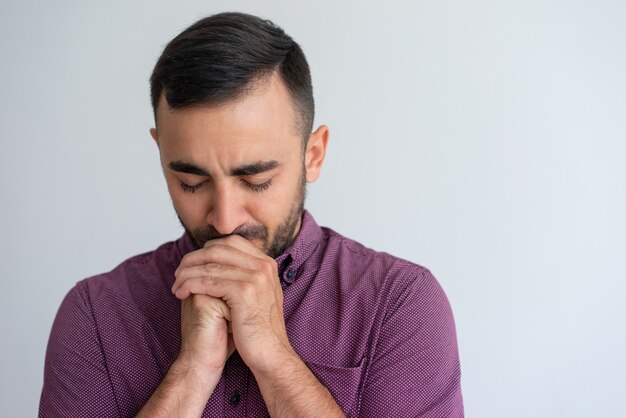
x=258 y=187
x=189 y=188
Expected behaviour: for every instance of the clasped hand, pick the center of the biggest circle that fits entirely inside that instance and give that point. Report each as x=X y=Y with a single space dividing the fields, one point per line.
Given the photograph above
x=227 y=286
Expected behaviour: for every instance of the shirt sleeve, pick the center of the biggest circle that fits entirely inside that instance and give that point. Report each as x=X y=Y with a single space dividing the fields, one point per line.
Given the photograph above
x=415 y=371
x=76 y=382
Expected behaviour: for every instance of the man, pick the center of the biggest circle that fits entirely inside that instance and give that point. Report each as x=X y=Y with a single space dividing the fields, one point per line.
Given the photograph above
x=255 y=310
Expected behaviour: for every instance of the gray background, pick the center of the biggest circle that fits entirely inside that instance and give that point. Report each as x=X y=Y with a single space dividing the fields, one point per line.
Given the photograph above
x=483 y=139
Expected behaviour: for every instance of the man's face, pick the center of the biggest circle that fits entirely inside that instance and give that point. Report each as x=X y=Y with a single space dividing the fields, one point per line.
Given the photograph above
x=238 y=168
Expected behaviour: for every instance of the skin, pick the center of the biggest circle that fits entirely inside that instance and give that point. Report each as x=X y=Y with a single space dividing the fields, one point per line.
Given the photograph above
x=229 y=287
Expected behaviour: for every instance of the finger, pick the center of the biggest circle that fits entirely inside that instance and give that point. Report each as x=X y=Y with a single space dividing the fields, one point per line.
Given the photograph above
x=208 y=272
x=221 y=252
x=217 y=306
x=219 y=286
x=209 y=305
x=239 y=242
x=231 y=342
x=242 y=288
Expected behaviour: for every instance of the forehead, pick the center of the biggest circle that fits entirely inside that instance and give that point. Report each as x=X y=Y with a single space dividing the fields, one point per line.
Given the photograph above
x=264 y=118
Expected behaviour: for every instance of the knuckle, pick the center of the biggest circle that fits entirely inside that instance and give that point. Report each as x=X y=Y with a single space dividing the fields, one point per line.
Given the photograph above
x=266 y=269
x=258 y=276
x=205 y=251
x=247 y=290
x=208 y=281
x=186 y=260
x=215 y=253
x=270 y=267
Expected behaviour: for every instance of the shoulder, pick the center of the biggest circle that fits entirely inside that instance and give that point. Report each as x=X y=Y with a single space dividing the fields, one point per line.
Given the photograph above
x=376 y=265
x=141 y=273
x=390 y=283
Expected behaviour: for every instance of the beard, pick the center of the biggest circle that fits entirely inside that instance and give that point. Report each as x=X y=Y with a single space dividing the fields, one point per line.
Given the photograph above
x=273 y=245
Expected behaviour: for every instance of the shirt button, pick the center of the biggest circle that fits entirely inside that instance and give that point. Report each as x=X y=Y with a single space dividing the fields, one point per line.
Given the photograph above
x=290 y=274
x=235 y=398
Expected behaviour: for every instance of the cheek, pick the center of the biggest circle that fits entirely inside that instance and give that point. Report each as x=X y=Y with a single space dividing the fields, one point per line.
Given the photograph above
x=190 y=206
x=272 y=205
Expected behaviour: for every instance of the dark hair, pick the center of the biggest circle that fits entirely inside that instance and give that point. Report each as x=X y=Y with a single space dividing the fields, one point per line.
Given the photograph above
x=219 y=58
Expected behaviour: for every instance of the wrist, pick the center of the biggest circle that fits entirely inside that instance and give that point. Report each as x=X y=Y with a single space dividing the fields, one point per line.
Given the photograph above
x=183 y=392
x=275 y=361
x=195 y=375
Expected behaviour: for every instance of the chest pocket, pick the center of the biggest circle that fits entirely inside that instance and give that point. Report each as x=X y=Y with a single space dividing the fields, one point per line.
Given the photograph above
x=343 y=383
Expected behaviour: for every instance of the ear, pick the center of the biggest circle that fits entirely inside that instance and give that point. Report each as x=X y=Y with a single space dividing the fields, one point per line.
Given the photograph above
x=315 y=153
x=153 y=133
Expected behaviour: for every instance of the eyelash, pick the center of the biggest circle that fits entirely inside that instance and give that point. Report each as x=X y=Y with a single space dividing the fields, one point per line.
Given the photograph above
x=259 y=187
x=254 y=187
x=189 y=188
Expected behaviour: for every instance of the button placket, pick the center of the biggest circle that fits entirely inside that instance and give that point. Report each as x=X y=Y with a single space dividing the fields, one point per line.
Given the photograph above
x=235 y=398
x=236 y=377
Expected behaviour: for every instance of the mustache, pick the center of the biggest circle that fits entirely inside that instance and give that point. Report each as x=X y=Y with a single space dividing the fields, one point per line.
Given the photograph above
x=249 y=232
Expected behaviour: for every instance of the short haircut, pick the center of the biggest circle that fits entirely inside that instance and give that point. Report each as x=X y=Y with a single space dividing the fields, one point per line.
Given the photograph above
x=219 y=58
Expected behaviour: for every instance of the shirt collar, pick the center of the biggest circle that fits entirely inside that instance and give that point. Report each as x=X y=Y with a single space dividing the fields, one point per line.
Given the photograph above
x=291 y=260
x=306 y=242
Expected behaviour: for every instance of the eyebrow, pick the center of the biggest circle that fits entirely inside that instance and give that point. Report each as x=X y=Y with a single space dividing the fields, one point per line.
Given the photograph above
x=254 y=168
x=243 y=170
x=184 y=167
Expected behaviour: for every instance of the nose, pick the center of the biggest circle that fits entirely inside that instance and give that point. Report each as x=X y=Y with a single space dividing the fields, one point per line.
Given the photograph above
x=226 y=210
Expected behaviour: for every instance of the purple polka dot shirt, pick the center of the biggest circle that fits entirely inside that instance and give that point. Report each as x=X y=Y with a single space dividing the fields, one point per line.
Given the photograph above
x=376 y=330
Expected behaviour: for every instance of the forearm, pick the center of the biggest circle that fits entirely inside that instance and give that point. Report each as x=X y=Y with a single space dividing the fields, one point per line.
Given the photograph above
x=292 y=390
x=183 y=392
